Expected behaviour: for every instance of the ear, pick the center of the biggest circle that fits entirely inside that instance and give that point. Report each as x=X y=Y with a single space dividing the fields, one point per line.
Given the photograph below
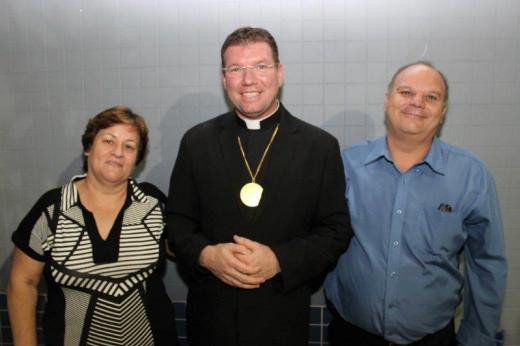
x=280 y=74
x=224 y=81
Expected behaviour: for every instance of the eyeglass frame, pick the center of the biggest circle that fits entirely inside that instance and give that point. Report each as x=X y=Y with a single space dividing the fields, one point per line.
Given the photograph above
x=240 y=70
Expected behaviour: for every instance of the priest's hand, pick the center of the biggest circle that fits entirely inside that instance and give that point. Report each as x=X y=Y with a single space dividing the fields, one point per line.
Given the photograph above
x=223 y=260
x=259 y=256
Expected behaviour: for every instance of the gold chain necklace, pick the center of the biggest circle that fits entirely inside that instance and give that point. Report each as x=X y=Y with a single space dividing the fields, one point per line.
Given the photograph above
x=251 y=193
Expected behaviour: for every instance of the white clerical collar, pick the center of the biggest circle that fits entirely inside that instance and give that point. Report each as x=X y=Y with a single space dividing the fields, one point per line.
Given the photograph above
x=254 y=124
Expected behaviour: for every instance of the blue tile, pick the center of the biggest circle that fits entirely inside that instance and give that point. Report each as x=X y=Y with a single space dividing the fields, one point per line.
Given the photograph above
x=3 y=301
x=39 y=335
x=315 y=333
x=42 y=300
x=327 y=317
x=181 y=328
x=180 y=310
x=325 y=333
x=4 y=319
x=6 y=335
x=315 y=315
x=39 y=319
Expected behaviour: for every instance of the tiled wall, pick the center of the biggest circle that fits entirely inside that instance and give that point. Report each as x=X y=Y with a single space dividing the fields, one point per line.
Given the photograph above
x=62 y=61
x=319 y=320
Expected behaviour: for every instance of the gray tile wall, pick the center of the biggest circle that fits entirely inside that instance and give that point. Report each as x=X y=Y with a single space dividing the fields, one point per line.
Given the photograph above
x=62 y=61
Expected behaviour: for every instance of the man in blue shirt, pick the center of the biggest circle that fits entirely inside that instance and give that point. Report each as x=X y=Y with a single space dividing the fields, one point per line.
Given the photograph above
x=416 y=204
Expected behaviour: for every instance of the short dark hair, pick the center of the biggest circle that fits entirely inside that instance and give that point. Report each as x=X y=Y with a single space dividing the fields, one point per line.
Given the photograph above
x=424 y=63
x=110 y=117
x=246 y=35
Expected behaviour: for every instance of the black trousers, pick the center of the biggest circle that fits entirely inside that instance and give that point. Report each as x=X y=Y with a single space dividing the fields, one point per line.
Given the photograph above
x=343 y=333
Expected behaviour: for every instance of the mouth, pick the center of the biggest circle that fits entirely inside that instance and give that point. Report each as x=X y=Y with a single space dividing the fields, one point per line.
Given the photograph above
x=250 y=94
x=115 y=163
x=414 y=114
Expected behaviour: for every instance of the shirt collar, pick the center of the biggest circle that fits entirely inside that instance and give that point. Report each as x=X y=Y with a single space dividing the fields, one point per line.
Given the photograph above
x=379 y=150
x=435 y=159
x=257 y=124
x=70 y=194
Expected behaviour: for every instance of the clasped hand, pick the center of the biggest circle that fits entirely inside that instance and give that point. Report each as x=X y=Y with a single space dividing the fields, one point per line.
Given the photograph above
x=243 y=263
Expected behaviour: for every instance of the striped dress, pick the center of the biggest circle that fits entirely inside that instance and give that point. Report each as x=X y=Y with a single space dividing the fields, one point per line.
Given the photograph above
x=101 y=292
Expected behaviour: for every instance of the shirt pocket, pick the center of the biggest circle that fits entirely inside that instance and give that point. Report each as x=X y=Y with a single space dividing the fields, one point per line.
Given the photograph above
x=444 y=232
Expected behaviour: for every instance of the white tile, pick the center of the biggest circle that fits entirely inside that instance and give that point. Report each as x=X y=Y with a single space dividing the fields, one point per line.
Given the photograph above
x=312 y=30
x=334 y=94
x=484 y=49
x=313 y=52
x=111 y=79
x=311 y=9
x=290 y=30
x=293 y=73
x=356 y=72
x=334 y=73
x=355 y=94
x=356 y=28
x=291 y=52
x=313 y=73
x=506 y=71
x=334 y=30
x=130 y=78
x=355 y=9
x=293 y=94
x=377 y=51
x=376 y=72
x=313 y=94
x=313 y=114
x=355 y=51
x=334 y=115
x=377 y=29
x=334 y=51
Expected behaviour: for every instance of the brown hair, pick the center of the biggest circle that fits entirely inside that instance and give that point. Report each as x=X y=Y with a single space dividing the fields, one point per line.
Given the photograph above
x=110 y=117
x=424 y=63
x=246 y=35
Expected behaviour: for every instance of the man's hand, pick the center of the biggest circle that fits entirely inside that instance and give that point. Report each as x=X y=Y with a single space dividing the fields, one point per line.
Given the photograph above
x=258 y=256
x=223 y=261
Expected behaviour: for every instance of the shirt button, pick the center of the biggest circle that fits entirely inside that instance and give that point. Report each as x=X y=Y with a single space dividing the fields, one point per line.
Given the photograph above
x=393 y=274
x=396 y=243
x=418 y=171
x=398 y=211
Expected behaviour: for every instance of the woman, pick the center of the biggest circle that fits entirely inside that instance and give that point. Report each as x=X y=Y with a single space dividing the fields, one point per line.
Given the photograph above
x=99 y=243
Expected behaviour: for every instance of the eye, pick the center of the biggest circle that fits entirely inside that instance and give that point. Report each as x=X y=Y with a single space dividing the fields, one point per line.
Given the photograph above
x=130 y=147
x=108 y=140
x=234 y=69
x=262 y=67
x=432 y=97
x=405 y=92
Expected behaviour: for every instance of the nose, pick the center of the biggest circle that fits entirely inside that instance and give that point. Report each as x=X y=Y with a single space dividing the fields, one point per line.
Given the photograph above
x=418 y=100
x=249 y=76
x=118 y=151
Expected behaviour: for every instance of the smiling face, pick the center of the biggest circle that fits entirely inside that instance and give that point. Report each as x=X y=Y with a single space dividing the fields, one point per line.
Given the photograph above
x=253 y=93
x=113 y=154
x=415 y=105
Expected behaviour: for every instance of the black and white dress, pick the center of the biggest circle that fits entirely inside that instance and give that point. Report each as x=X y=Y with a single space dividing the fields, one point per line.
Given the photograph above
x=101 y=292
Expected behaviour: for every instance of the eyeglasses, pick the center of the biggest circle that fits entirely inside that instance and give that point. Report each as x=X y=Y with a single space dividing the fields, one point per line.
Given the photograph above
x=236 y=71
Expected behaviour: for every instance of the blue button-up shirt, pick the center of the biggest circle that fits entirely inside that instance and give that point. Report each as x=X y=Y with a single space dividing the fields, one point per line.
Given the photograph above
x=400 y=277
